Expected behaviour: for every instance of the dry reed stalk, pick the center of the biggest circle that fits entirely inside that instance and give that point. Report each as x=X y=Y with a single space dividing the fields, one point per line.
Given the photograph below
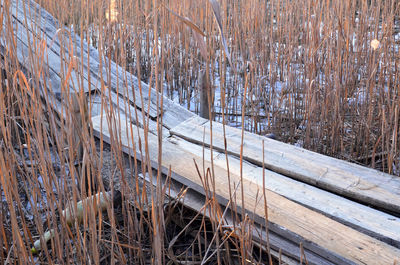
x=313 y=79
x=205 y=95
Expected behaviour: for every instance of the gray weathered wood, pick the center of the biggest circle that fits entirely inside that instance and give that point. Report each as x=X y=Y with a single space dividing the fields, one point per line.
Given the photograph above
x=43 y=27
x=278 y=238
x=126 y=111
x=308 y=224
x=174 y=114
x=360 y=183
x=380 y=225
x=29 y=46
x=313 y=227
x=116 y=77
x=48 y=29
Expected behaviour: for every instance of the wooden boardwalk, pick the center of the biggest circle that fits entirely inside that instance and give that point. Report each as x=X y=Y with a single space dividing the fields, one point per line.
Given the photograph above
x=342 y=213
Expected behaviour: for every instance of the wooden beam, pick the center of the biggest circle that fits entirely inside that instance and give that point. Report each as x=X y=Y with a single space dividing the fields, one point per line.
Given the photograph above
x=313 y=227
x=360 y=183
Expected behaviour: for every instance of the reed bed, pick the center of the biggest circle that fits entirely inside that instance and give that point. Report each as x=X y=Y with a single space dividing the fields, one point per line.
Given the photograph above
x=311 y=75
x=303 y=70
x=52 y=167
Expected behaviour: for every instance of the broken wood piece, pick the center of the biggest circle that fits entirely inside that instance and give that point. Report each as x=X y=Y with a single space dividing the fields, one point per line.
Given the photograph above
x=72 y=213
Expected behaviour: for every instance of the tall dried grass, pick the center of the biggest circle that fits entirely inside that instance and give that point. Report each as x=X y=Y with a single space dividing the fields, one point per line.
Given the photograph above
x=304 y=70
x=50 y=160
x=313 y=78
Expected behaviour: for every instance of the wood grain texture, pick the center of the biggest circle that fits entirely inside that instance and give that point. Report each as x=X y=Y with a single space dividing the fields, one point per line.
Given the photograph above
x=360 y=183
x=279 y=240
x=310 y=225
x=62 y=47
x=380 y=225
x=63 y=44
x=174 y=114
x=91 y=69
x=33 y=45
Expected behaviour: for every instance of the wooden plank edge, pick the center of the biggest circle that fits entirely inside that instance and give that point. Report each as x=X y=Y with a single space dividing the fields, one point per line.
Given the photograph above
x=369 y=221
x=289 y=244
x=50 y=32
x=362 y=244
x=386 y=205
x=280 y=237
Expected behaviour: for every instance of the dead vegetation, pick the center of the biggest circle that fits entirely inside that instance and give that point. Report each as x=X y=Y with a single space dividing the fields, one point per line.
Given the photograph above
x=303 y=70
x=312 y=77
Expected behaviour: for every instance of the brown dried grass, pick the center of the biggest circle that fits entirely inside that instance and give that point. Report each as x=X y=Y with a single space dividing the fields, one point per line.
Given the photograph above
x=337 y=96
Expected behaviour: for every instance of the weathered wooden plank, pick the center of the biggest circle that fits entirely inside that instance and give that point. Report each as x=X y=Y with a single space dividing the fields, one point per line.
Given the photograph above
x=29 y=46
x=49 y=78
x=360 y=183
x=116 y=77
x=121 y=108
x=48 y=29
x=31 y=54
x=52 y=67
x=174 y=114
x=380 y=225
x=280 y=238
x=31 y=34
x=57 y=39
x=195 y=200
x=311 y=226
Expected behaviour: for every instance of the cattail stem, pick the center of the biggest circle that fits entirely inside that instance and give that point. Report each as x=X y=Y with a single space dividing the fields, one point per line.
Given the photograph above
x=205 y=94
